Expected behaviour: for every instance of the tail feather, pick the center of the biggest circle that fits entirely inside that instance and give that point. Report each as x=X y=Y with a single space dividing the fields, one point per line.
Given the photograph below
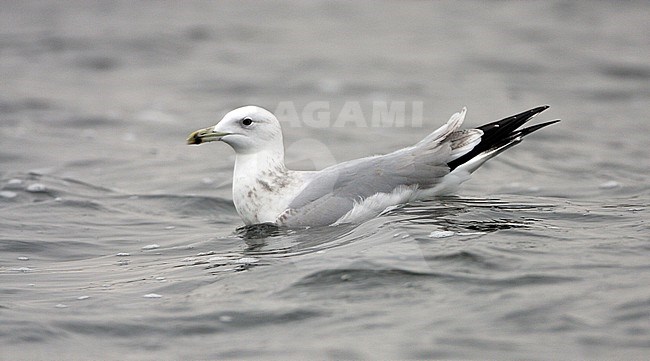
x=499 y=136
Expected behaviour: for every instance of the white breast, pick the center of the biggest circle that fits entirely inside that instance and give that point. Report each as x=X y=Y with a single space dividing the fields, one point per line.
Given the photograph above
x=262 y=197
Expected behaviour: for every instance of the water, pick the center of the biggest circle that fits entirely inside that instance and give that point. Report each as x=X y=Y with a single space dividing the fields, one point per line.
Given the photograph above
x=118 y=241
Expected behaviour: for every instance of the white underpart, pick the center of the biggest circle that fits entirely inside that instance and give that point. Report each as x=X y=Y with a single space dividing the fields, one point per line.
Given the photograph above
x=255 y=203
x=376 y=204
x=379 y=203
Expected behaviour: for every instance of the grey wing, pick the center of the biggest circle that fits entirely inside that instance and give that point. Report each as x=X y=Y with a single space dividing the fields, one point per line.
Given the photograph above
x=333 y=191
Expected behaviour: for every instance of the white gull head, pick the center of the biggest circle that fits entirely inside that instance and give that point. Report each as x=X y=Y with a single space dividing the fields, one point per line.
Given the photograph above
x=261 y=182
x=248 y=129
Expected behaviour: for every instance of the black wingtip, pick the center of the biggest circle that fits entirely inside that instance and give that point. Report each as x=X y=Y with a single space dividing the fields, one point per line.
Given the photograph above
x=511 y=123
x=503 y=134
x=536 y=127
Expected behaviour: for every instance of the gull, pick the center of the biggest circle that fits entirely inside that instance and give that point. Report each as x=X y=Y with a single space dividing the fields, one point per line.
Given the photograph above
x=265 y=191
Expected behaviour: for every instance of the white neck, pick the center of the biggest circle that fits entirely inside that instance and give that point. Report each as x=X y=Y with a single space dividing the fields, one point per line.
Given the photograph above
x=257 y=186
x=255 y=165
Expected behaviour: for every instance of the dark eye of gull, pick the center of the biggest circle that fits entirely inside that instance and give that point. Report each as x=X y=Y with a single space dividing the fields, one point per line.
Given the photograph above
x=247 y=121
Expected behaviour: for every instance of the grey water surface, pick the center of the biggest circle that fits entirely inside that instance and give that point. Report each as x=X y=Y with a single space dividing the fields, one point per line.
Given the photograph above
x=118 y=241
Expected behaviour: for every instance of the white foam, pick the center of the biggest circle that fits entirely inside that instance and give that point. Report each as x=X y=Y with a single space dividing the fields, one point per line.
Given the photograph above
x=8 y=194
x=441 y=234
x=36 y=188
x=609 y=185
